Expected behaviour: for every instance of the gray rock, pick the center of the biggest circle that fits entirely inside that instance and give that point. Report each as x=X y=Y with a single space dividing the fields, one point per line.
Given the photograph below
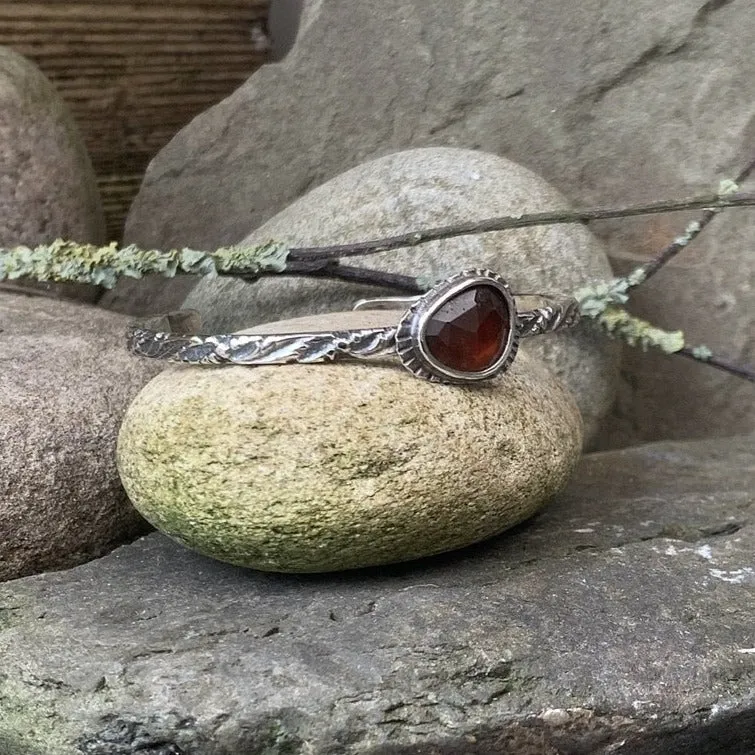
x=426 y=188
x=611 y=102
x=308 y=468
x=283 y=26
x=47 y=185
x=65 y=383
x=619 y=620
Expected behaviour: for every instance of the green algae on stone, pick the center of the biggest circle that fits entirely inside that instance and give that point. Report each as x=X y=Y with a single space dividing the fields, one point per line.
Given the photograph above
x=29 y=717
x=312 y=468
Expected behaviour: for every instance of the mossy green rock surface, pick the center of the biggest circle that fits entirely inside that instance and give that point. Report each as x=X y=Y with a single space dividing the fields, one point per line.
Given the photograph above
x=309 y=468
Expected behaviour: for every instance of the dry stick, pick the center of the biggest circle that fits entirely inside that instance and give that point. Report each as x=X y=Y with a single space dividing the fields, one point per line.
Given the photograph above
x=666 y=254
x=376 y=278
x=712 y=205
x=507 y=222
x=691 y=233
x=323 y=261
x=334 y=270
x=741 y=370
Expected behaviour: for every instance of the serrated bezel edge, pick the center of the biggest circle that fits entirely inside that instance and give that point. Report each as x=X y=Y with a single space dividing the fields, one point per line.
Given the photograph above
x=410 y=344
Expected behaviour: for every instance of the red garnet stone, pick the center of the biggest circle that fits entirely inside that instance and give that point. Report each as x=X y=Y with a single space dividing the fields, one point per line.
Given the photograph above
x=469 y=332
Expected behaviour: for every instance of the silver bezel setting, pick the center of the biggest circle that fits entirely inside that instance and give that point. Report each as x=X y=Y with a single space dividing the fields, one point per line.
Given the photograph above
x=410 y=337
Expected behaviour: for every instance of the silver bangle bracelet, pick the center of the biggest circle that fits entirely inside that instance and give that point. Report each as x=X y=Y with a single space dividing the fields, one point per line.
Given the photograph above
x=465 y=329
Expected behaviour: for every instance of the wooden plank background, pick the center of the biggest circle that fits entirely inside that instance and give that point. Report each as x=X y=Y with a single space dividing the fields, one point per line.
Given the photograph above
x=135 y=72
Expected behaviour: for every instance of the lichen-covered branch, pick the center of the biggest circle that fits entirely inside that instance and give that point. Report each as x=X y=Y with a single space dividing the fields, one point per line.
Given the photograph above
x=618 y=323
x=70 y=262
x=66 y=261
x=595 y=298
x=600 y=302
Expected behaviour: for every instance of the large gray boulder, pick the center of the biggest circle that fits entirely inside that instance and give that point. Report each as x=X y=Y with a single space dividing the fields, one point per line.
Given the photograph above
x=48 y=188
x=619 y=620
x=612 y=102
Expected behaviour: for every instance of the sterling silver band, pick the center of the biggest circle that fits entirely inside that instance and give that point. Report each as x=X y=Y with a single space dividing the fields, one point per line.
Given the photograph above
x=403 y=339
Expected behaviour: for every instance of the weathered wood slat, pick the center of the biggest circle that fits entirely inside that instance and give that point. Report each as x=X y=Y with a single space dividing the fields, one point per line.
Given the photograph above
x=148 y=64
x=142 y=8
x=234 y=5
x=157 y=48
x=135 y=72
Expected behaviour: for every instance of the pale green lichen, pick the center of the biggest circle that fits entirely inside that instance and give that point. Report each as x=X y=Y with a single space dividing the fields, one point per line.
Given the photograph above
x=269 y=257
x=67 y=261
x=597 y=297
x=618 y=323
x=727 y=187
x=689 y=234
x=702 y=352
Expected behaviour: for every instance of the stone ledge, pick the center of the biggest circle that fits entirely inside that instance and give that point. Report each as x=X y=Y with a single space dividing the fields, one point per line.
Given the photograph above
x=619 y=620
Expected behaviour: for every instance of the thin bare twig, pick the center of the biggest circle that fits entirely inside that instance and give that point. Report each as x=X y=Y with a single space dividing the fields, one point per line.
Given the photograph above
x=334 y=270
x=702 y=355
x=618 y=323
x=513 y=221
x=692 y=231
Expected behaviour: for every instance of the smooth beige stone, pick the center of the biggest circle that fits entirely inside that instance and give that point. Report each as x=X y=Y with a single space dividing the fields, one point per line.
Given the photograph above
x=306 y=468
x=425 y=188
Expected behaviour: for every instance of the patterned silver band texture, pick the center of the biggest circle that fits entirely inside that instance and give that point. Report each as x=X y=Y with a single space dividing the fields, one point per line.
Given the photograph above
x=309 y=348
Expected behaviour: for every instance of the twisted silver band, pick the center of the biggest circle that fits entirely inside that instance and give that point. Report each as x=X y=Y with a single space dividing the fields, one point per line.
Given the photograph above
x=403 y=339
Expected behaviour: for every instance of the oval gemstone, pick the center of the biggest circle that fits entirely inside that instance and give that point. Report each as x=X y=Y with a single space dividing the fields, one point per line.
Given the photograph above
x=469 y=332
